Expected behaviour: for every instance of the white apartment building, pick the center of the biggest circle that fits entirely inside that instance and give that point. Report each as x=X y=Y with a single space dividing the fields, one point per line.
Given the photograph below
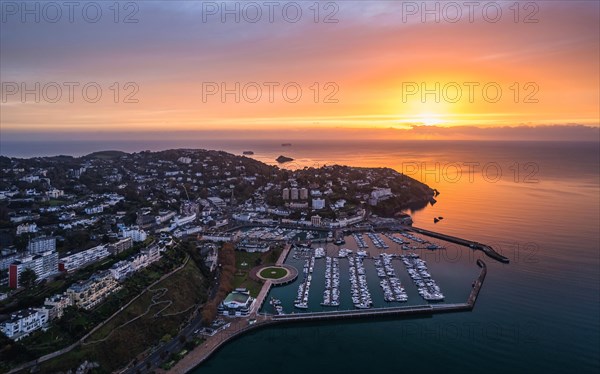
x=8 y=259
x=121 y=270
x=348 y=221
x=145 y=257
x=135 y=233
x=43 y=264
x=26 y=228
x=24 y=322
x=187 y=232
x=41 y=244
x=379 y=194
x=303 y=194
x=78 y=260
x=163 y=217
x=294 y=194
x=184 y=220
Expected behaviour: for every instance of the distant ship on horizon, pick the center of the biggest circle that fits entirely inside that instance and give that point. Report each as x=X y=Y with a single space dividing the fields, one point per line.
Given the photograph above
x=248 y=153
x=286 y=144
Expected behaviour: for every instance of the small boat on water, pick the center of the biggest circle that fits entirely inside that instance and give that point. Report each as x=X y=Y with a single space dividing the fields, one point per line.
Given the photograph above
x=248 y=152
x=276 y=304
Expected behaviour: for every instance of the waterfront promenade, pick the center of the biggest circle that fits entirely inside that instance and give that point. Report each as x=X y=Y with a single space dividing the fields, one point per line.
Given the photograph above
x=242 y=325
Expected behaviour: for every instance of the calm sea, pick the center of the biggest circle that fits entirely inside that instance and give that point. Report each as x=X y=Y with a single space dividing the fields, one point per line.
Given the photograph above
x=538 y=203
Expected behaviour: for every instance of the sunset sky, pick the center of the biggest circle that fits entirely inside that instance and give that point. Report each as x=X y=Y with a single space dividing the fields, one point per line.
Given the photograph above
x=368 y=61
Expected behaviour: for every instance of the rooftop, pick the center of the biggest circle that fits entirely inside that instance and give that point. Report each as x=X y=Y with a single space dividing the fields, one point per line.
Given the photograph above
x=237 y=298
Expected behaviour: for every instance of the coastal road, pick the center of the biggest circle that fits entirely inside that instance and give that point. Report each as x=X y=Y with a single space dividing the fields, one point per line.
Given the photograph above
x=174 y=346
x=152 y=361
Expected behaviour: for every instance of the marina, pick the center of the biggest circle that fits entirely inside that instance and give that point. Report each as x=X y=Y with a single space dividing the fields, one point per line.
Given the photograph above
x=390 y=284
x=331 y=295
x=394 y=238
x=265 y=321
x=304 y=287
x=361 y=297
x=344 y=252
x=360 y=241
x=353 y=277
x=301 y=252
x=417 y=268
x=377 y=241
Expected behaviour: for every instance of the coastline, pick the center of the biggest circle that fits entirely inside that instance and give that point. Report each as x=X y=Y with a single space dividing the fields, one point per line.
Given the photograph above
x=200 y=354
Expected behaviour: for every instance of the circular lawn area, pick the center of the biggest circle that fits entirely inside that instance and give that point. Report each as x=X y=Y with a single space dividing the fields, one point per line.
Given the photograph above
x=273 y=272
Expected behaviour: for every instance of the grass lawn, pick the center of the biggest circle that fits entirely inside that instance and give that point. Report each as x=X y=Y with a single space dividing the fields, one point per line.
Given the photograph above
x=242 y=281
x=245 y=261
x=273 y=273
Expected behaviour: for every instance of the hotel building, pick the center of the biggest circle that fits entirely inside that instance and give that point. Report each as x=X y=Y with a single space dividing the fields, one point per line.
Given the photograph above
x=88 y=294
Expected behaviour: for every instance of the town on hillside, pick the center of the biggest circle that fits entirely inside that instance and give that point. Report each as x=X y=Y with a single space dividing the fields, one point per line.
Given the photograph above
x=81 y=236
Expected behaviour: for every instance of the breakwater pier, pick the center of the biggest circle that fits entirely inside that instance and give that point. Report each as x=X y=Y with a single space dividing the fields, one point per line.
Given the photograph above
x=489 y=251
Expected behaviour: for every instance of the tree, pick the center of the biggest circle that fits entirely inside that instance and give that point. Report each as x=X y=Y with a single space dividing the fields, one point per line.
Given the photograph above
x=209 y=312
x=166 y=338
x=273 y=256
x=27 y=278
x=21 y=242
